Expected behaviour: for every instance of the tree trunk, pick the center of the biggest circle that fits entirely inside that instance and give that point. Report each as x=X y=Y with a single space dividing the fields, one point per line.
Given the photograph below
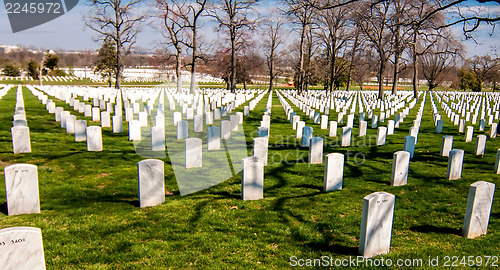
x=178 y=64
x=233 y=60
x=396 y=74
x=332 y=68
x=300 y=81
x=193 y=65
x=415 y=67
x=381 y=79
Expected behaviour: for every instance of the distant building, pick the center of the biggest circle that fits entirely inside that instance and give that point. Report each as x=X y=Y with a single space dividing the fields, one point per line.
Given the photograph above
x=8 y=49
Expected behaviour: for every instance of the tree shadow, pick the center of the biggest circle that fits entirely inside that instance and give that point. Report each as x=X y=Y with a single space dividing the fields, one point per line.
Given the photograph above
x=435 y=229
x=3 y=208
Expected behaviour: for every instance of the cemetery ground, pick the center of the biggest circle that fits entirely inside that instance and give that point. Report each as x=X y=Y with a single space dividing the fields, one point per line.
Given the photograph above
x=90 y=216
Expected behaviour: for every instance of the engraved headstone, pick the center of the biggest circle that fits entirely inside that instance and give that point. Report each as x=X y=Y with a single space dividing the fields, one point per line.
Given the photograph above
x=21 y=142
x=334 y=171
x=193 y=153
x=409 y=145
x=455 y=162
x=182 y=130
x=94 y=138
x=80 y=130
x=134 y=130
x=21 y=248
x=260 y=148
x=158 y=138
x=21 y=188
x=376 y=224
x=316 y=150
x=345 y=140
x=307 y=134
x=400 y=166
x=213 y=141
x=252 y=178
x=332 y=129
x=151 y=182
x=478 y=211
x=480 y=145
x=446 y=145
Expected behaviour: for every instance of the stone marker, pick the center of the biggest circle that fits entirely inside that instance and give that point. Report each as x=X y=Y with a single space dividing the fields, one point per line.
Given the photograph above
x=177 y=117
x=234 y=120
x=345 y=140
x=260 y=148
x=381 y=135
x=478 y=211
x=414 y=133
x=193 y=153
x=58 y=112
x=80 y=130
x=409 y=145
x=150 y=173
x=21 y=142
x=96 y=115
x=446 y=145
x=252 y=178
x=334 y=172
x=316 y=150
x=213 y=141
x=105 y=120
x=198 y=123
x=94 y=138
x=21 y=187
x=182 y=130
x=64 y=115
x=143 y=119
x=390 y=127
x=400 y=166
x=324 y=122
x=299 y=129
x=332 y=129
x=469 y=134
x=263 y=132
x=21 y=248
x=493 y=130
x=209 y=118
x=70 y=124
x=134 y=130
x=117 y=124
x=480 y=145
x=225 y=129
x=307 y=134
x=439 y=126
x=362 y=128
x=158 y=138
x=374 y=121
x=455 y=162
x=497 y=162
x=376 y=224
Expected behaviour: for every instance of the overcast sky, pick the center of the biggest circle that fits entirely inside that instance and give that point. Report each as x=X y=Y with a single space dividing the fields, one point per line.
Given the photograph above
x=68 y=32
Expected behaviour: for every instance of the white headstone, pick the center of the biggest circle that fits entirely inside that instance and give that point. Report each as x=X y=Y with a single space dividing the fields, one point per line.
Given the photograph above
x=316 y=150
x=21 y=248
x=21 y=187
x=150 y=173
x=307 y=134
x=105 y=119
x=409 y=145
x=345 y=139
x=117 y=124
x=134 y=130
x=94 y=138
x=299 y=129
x=469 y=134
x=252 y=178
x=478 y=211
x=213 y=141
x=193 y=153
x=480 y=145
x=400 y=166
x=182 y=130
x=21 y=142
x=158 y=138
x=80 y=130
x=376 y=224
x=455 y=162
x=332 y=129
x=446 y=145
x=439 y=126
x=381 y=135
x=334 y=171
x=225 y=129
x=260 y=149
x=198 y=123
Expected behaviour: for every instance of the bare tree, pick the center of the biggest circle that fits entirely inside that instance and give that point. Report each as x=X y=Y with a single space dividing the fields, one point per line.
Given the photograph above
x=191 y=21
x=373 y=21
x=302 y=14
x=233 y=15
x=273 y=33
x=118 y=20
x=483 y=66
x=171 y=12
x=436 y=61
x=333 y=31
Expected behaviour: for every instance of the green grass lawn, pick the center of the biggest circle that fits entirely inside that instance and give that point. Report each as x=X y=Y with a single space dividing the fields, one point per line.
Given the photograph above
x=90 y=217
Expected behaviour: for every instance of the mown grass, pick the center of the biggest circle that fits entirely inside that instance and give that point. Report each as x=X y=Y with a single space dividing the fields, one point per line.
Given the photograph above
x=91 y=220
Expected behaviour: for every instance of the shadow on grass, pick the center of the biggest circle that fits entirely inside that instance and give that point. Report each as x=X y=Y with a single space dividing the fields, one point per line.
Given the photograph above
x=3 y=208
x=435 y=229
